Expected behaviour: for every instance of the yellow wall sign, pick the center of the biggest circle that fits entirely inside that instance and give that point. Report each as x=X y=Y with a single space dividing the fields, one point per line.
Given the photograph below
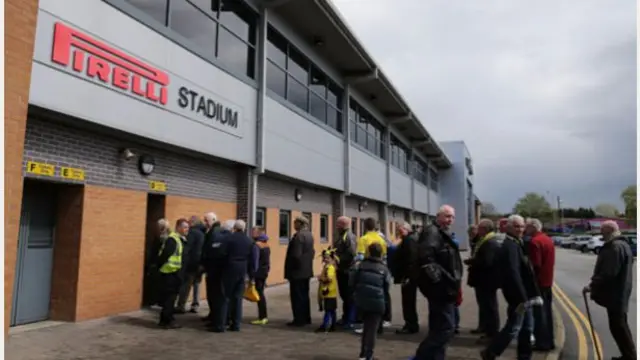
x=39 y=168
x=157 y=186
x=72 y=173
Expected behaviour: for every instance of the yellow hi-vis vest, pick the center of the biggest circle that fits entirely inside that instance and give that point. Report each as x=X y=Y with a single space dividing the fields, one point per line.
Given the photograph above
x=175 y=260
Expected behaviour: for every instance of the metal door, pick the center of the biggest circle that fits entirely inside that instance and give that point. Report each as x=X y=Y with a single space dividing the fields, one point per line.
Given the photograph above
x=32 y=285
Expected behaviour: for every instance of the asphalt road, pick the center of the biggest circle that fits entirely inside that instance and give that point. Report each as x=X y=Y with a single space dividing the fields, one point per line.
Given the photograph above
x=572 y=272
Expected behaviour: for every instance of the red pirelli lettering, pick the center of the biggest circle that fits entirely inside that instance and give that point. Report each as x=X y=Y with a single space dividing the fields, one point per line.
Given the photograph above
x=111 y=66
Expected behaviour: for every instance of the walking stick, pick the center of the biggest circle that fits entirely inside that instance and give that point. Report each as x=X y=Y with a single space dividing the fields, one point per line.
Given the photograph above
x=593 y=333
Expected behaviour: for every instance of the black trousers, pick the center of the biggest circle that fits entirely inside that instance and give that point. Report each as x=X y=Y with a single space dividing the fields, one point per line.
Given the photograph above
x=543 y=320
x=262 y=303
x=409 y=308
x=170 y=287
x=215 y=296
x=371 y=326
x=230 y=308
x=300 y=301
x=619 y=327
x=345 y=294
x=387 y=307
x=489 y=315
x=441 y=329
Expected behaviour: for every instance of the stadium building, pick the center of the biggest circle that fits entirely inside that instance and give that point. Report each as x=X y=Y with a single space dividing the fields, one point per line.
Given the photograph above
x=142 y=109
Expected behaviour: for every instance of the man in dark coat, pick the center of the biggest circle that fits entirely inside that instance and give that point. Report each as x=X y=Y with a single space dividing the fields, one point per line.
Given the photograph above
x=405 y=272
x=520 y=290
x=191 y=267
x=612 y=284
x=213 y=255
x=298 y=270
x=439 y=281
x=483 y=277
x=239 y=250
x=345 y=249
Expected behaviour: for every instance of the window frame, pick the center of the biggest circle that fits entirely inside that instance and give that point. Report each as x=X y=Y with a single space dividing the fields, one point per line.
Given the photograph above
x=284 y=239
x=398 y=160
x=433 y=184
x=264 y=217
x=324 y=218
x=420 y=171
x=361 y=226
x=363 y=122
x=328 y=84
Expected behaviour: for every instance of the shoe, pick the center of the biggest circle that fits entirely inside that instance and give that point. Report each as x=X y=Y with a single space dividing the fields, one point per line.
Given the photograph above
x=171 y=326
x=477 y=331
x=260 y=322
x=486 y=355
x=215 y=329
x=406 y=331
x=358 y=330
x=541 y=349
x=321 y=329
x=386 y=324
x=193 y=310
x=295 y=324
x=456 y=331
x=484 y=340
x=233 y=328
x=206 y=319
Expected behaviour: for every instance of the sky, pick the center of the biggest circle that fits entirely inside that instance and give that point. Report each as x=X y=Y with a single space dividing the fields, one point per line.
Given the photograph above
x=543 y=93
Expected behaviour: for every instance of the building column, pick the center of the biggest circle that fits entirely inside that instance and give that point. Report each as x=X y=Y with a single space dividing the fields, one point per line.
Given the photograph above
x=19 y=37
x=387 y=138
x=339 y=204
x=247 y=192
x=262 y=89
x=346 y=105
x=383 y=213
x=428 y=189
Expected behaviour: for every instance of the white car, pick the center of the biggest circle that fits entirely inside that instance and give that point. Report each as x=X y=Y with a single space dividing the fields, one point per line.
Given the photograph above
x=568 y=241
x=581 y=242
x=595 y=244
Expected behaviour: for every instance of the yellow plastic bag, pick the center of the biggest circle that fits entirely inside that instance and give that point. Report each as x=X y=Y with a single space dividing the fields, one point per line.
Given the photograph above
x=251 y=294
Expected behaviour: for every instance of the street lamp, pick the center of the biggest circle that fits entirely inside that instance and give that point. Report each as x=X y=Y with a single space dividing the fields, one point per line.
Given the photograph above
x=553 y=213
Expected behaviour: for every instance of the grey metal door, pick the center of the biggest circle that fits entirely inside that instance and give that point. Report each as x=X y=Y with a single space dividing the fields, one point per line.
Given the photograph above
x=32 y=286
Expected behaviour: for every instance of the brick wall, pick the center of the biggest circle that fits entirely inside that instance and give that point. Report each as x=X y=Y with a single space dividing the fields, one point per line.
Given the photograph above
x=98 y=156
x=19 y=36
x=112 y=252
x=278 y=251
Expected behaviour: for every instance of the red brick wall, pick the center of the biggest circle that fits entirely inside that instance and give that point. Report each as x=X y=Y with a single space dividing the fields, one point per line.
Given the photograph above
x=19 y=33
x=111 y=252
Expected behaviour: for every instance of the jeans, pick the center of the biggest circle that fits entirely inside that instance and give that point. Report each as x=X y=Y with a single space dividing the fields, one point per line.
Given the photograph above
x=441 y=328
x=262 y=303
x=456 y=317
x=517 y=325
x=543 y=321
x=300 y=301
x=191 y=280
x=231 y=304
x=488 y=310
x=619 y=327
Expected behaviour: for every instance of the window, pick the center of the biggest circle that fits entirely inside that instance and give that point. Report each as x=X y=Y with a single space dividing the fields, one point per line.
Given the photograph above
x=420 y=171
x=399 y=155
x=261 y=217
x=222 y=29
x=157 y=9
x=354 y=224
x=309 y=218
x=291 y=75
x=433 y=179
x=366 y=131
x=284 y=233
x=361 y=227
x=324 y=228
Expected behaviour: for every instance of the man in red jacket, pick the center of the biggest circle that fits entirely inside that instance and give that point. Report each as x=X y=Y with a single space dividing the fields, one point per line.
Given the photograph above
x=542 y=254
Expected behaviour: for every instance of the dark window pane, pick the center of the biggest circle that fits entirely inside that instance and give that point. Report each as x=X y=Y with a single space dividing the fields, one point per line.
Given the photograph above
x=333 y=118
x=334 y=95
x=239 y=19
x=285 y=225
x=157 y=9
x=208 y=6
x=235 y=54
x=317 y=107
x=298 y=65
x=361 y=136
x=195 y=26
x=318 y=82
x=324 y=228
x=297 y=93
x=371 y=143
x=352 y=115
x=277 y=48
x=352 y=130
x=261 y=217
x=276 y=79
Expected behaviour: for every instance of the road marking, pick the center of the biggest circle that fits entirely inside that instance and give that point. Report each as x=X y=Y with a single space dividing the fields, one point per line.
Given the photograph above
x=596 y=350
x=582 y=341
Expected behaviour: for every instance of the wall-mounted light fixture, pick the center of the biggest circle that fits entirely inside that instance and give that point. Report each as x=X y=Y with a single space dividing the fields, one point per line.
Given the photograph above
x=318 y=41
x=362 y=205
x=146 y=164
x=297 y=194
x=127 y=154
x=393 y=213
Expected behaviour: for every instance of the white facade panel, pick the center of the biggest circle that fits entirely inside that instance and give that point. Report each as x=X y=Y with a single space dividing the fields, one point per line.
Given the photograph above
x=368 y=175
x=400 y=189
x=421 y=198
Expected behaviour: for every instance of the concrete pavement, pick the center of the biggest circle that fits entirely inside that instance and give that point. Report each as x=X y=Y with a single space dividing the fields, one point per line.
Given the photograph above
x=572 y=272
x=135 y=336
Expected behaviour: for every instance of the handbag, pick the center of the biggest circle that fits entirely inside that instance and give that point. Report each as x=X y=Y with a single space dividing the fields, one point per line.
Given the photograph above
x=251 y=294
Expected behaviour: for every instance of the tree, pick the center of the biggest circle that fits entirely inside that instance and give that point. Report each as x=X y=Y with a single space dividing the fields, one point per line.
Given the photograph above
x=488 y=209
x=629 y=196
x=533 y=205
x=606 y=210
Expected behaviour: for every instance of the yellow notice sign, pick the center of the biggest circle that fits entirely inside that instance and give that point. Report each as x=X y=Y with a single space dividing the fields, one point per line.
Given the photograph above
x=72 y=173
x=157 y=186
x=40 y=168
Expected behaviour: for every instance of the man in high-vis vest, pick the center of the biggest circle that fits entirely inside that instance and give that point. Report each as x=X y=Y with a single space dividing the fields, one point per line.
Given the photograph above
x=170 y=263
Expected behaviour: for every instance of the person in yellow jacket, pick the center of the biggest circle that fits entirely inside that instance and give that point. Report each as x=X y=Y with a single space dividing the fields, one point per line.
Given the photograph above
x=169 y=264
x=371 y=236
x=328 y=290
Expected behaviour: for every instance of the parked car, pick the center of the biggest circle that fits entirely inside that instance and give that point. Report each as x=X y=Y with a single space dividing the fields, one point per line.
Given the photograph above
x=557 y=240
x=595 y=244
x=633 y=241
x=568 y=241
x=581 y=242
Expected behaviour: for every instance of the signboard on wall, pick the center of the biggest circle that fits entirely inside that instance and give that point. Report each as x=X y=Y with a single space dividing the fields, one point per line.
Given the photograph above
x=159 y=186
x=70 y=173
x=39 y=168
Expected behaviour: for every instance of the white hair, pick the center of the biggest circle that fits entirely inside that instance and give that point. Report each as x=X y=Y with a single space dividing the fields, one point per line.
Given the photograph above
x=211 y=216
x=537 y=224
x=610 y=224
x=228 y=225
x=406 y=226
x=446 y=208
x=514 y=219
x=163 y=223
x=240 y=225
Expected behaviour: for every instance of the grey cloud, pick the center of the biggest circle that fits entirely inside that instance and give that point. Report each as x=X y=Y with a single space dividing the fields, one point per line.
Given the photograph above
x=550 y=87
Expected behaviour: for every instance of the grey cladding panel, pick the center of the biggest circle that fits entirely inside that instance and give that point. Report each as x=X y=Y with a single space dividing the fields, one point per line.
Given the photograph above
x=276 y=193
x=98 y=156
x=371 y=210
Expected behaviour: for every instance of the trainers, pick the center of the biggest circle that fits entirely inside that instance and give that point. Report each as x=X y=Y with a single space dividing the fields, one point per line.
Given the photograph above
x=386 y=324
x=358 y=330
x=260 y=322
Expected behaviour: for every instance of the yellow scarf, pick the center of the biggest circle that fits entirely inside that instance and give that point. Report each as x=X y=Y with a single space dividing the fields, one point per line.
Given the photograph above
x=484 y=240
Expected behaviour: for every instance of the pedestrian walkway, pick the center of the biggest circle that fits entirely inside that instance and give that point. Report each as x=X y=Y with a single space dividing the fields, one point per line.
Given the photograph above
x=135 y=336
